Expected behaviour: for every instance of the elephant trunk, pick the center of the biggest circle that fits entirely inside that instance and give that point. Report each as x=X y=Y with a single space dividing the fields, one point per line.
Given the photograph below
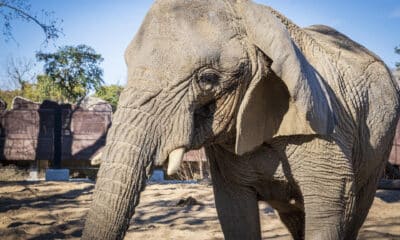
x=127 y=161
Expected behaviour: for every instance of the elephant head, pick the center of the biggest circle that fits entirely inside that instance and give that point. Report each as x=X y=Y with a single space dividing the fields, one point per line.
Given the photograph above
x=202 y=72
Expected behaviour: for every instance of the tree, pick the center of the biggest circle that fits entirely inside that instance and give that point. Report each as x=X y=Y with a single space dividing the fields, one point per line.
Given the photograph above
x=8 y=95
x=396 y=71
x=19 y=9
x=20 y=72
x=24 y=82
x=48 y=90
x=20 y=81
x=73 y=70
x=37 y=92
x=43 y=89
x=397 y=50
x=110 y=94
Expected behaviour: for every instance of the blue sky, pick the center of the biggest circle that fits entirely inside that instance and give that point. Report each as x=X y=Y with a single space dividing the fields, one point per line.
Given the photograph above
x=108 y=26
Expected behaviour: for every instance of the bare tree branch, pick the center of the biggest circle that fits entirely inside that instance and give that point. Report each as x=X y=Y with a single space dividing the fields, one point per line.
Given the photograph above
x=17 y=9
x=20 y=72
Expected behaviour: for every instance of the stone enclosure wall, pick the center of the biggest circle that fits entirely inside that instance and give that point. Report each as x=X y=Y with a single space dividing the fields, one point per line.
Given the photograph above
x=46 y=131
x=33 y=131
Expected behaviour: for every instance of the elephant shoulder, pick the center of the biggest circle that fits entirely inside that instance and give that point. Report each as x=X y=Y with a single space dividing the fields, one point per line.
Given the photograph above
x=338 y=43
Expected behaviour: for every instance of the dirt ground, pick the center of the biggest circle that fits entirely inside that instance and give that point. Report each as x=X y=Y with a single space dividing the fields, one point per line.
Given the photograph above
x=54 y=210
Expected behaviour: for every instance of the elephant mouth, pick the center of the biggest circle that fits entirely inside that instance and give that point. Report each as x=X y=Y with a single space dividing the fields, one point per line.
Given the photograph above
x=175 y=160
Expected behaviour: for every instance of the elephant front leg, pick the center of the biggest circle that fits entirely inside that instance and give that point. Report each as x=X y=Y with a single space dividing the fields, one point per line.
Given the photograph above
x=237 y=209
x=237 y=205
x=324 y=174
x=328 y=207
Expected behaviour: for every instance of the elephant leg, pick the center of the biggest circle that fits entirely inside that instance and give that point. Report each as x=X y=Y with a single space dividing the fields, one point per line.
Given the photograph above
x=324 y=217
x=237 y=209
x=363 y=201
x=328 y=207
x=237 y=205
x=293 y=218
x=323 y=172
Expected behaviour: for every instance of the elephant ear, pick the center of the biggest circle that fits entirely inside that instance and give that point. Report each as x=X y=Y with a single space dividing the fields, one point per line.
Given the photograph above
x=286 y=98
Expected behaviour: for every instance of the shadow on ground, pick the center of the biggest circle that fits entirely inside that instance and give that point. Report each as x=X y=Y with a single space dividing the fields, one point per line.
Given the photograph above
x=43 y=210
x=56 y=210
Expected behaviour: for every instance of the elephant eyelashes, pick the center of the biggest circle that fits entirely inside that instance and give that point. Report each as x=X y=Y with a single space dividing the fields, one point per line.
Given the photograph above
x=208 y=79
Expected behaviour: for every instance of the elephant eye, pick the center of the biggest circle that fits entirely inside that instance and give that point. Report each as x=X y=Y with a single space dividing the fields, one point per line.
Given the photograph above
x=208 y=79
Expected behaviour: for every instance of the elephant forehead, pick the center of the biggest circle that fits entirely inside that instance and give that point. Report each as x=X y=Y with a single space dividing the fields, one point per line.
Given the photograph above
x=174 y=41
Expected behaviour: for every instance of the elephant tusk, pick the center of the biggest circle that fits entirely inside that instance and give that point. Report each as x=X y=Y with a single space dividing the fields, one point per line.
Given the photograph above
x=96 y=160
x=175 y=160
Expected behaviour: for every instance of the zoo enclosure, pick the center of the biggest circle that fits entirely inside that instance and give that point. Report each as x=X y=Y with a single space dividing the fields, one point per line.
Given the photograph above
x=60 y=133
x=67 y=135
x=71 y=135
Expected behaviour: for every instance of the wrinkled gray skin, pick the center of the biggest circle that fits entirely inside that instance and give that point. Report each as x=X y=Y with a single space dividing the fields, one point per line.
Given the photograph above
x=301 y=118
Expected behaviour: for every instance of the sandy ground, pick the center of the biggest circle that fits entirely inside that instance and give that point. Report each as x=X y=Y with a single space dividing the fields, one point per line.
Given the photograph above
x=53 y=210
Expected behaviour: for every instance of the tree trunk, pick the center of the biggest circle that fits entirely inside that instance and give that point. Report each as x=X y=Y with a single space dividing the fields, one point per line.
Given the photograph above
x=121 y=178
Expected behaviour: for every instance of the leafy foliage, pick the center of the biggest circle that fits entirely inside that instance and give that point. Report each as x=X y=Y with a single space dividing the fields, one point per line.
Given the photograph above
x=8 y=95
x=110 y=94
x=37 y=92
x=22 y=81
x=20 y=9
x=47 y=90
x=70 y=73
x=73 y=70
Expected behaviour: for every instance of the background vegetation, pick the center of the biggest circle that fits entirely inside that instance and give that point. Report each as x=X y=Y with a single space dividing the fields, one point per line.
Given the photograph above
x=70 y=73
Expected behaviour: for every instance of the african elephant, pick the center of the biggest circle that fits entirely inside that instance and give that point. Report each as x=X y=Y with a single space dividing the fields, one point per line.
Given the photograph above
x=302 y=118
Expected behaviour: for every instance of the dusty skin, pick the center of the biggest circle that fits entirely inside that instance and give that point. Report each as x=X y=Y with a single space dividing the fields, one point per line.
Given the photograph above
x=52 y=210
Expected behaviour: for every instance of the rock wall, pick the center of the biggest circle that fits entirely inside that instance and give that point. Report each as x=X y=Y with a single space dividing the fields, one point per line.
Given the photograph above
x=34 y=131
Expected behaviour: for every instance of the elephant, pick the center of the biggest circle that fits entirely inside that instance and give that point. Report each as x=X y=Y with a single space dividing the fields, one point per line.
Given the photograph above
x=301 y=118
